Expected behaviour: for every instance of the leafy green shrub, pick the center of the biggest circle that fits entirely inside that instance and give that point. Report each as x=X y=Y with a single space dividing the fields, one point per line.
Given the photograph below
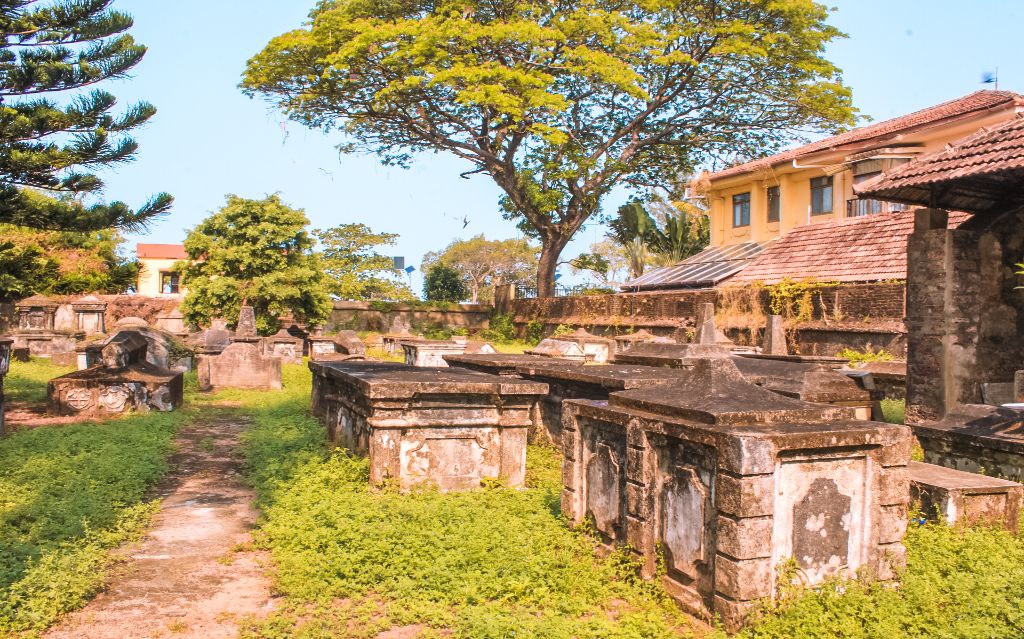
x=867 y=355
x=894 y=411
x=535 y=331
x=562 y=329
x=502 y=329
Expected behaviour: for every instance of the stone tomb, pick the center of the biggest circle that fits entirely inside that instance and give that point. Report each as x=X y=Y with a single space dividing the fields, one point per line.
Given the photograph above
x=240 y=365
x=955 y=496
x=503 y=364
x=558 y=348
x=625 y=342
x=425 y=352
x=976 y=439
x=90 y=315
x=36 y=331
x=447 y=426
x=730 y=481
x=163 y=350
x=282 y=344
x=596 y=349
x=6 y=350
x=172 y=322
x=344 y=345
x=122 y=381
x=588 y=382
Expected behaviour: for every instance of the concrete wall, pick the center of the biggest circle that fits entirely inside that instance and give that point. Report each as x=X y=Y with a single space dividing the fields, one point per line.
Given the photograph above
x=391 y=317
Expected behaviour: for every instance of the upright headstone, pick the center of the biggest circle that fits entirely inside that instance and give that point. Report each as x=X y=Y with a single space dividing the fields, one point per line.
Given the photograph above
x=90 y=314
x=775 y=337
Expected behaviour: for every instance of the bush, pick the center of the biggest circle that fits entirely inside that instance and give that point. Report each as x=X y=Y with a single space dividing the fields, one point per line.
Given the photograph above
x=535 y=331
x=867 y=355
x=444 y=284
x=502 y=329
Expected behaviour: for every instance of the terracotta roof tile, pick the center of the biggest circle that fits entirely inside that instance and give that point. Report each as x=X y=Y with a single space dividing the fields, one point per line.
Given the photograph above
x=977 y=172
x=161 y=251
x=863 y=249
x=974 y=102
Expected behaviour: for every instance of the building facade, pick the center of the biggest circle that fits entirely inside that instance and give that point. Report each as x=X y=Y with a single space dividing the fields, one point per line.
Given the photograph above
x=762 y=200
x=157 y=277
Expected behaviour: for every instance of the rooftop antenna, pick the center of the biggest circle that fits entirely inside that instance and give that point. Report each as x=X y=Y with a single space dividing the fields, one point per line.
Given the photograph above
x=990 y=77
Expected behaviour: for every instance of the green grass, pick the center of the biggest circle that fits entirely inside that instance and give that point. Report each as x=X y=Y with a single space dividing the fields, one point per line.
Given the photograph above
x=511 y=347
x=68 y=495
x=495 y=562
x=26 y=381
x=894 y=411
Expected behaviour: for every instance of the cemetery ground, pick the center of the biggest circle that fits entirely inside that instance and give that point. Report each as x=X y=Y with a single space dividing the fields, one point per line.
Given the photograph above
x=331 y=557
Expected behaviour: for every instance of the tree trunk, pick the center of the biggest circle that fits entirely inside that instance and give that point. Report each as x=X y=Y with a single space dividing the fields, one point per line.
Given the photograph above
x=547 y=263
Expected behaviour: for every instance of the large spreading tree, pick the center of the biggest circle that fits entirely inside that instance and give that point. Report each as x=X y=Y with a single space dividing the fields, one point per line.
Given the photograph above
x=55 y=128
x=355 y=269
x=484 y=264
x=256 y=252
x=559 y=102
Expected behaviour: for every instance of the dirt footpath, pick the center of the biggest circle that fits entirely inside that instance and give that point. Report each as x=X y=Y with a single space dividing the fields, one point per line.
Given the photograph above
x=186 y=578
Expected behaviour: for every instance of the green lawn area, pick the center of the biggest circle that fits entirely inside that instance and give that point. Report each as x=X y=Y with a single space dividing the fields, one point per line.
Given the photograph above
x=68 y=494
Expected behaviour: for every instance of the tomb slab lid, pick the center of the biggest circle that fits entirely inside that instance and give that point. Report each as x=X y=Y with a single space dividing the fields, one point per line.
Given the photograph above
x=995 y=427
x=714 y=391
x=952 y=479
x=388 y=380
x=509 y=360
x=611 y=376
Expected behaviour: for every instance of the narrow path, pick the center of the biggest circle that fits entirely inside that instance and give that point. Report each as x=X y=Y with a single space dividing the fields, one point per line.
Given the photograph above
x=186 y=578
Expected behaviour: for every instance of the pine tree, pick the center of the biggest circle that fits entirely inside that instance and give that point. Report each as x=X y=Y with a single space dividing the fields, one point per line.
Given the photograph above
x=49 y=145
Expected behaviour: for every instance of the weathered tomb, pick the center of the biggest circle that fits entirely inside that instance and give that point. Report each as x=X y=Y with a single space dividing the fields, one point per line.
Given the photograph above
x=889 y=379
x=976 y=439
x=173 y=322
x=122 y=381
x=503 y=364
x=446 y=426
x=6 y=350
x=213 y=340
x=163 y=350
x=596 y=349
x=90 y=315
x=284 y=345
x=392 y=342
x=627 y=341
x=560 y=349
x=431 y=353
x=952 y=496
x=730 y=481
x=588 y=382
x=36 y=332
x=240 y=365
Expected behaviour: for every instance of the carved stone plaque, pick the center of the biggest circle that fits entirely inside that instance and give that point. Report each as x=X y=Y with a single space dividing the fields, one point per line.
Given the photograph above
x=114 y=398
x=79 y=398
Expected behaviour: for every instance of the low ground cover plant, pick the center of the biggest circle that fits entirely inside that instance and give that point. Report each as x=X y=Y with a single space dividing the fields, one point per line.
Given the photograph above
x=68 y=495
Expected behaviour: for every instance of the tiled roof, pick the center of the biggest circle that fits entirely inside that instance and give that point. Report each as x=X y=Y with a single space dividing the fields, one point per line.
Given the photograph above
x=161 y=251
x=975 y=173
x=703 y=270
x=972 y=103
x=863 y=249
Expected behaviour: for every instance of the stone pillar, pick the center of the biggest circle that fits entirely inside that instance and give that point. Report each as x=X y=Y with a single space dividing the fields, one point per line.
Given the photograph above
x=775 y=337
x=706 y=333
x=5 y=362
x=245 y=330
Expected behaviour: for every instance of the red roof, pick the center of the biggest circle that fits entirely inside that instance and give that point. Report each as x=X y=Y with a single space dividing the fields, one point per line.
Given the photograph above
x=862 y=249
x=976 y=173
x=161 y=251
x=960 y=107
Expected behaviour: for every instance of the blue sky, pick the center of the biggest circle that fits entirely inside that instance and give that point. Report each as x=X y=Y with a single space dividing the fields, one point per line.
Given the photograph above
x=208 y=140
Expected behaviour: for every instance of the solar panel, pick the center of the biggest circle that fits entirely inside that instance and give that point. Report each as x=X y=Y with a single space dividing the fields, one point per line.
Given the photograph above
x=705 y=269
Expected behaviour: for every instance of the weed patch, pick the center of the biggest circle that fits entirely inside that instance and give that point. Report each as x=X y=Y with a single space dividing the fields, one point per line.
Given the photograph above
x=68 y=495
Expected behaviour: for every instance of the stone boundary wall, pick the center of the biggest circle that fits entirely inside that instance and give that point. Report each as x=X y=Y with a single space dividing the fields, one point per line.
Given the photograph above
x=118 y=307
x=847 y=315
x=386 y=317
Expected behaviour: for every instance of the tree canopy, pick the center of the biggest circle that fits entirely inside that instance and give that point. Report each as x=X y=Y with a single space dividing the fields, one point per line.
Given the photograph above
x=483 y=264
x=49 y=145
x=62 y=263
x=442 y=283
x=559 y=102
x=354 y=268
x=254 y=251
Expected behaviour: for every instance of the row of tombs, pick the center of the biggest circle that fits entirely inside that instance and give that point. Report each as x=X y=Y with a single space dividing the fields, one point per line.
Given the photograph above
x=726 y=465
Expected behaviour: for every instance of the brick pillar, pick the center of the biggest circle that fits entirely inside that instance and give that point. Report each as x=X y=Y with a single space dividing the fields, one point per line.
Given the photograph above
x=944 y=303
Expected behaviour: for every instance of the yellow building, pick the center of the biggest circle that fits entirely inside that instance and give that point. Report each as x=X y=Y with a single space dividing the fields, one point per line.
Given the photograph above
x=156 y=277
x=761 y=200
